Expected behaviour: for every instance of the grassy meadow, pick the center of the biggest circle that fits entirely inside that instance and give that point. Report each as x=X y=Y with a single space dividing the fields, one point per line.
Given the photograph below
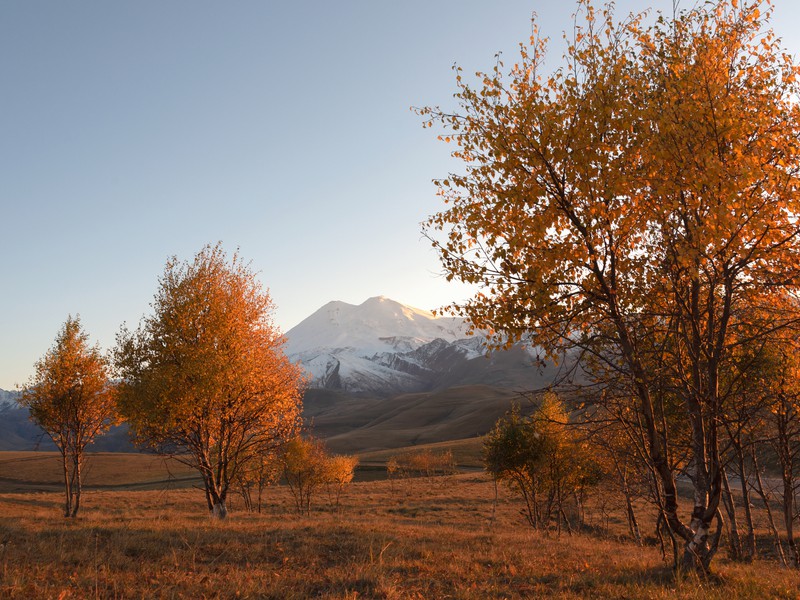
x=439 y=537
x=41 y=471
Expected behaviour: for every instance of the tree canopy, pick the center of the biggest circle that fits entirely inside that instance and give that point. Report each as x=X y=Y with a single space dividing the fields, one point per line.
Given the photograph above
x=205 y=375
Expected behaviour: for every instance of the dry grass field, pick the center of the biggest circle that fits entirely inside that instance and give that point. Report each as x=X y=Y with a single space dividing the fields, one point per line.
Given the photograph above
x=41 y=471
x=425 y=538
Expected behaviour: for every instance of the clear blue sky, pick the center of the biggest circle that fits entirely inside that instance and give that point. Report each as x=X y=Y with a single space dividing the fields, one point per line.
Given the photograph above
x=133 y=131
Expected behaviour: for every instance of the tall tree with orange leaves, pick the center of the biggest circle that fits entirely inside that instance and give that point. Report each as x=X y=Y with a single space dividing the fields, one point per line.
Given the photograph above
x=205 y=377
x=71 y=398
x=639 y=203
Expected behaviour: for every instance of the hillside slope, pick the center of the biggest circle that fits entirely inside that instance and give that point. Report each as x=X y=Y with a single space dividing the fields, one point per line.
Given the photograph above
x=351 y=424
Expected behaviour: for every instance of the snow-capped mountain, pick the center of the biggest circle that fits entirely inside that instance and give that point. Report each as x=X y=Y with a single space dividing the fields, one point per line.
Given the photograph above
x=379 y=347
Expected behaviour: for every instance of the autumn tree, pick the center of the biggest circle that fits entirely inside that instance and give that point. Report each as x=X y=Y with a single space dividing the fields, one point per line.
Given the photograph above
x=543 y=460
x=304 y=470
x=204 y=376
x=261 y=471
x=514 y=454
x=71 y=399
x=339 y=472
x=306 y=466
x=421 y=463
x=638 y=203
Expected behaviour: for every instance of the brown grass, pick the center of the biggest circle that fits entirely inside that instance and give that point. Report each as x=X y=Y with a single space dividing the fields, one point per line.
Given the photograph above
x=438 y=538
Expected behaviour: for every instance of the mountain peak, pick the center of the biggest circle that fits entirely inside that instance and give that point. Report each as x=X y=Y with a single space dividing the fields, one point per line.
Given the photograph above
x=342 y=341
x=361 y=327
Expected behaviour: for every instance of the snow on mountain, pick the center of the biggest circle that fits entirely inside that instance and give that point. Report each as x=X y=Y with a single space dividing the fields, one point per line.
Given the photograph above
x=378 y=324
x=379 y=346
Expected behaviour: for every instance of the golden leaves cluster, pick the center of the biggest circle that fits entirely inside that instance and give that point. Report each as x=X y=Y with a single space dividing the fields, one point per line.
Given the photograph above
x=70 y=395
x=207 y=369
x=658 y=157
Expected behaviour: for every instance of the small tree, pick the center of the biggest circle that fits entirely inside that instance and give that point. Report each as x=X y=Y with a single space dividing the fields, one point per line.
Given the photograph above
x=542 y=460
x=205 y=377
x=421 y=463
x=71 y=399
x=339 y=472
x=304 y=470
x=306 y=466
x=262 y=471
x=514 y=453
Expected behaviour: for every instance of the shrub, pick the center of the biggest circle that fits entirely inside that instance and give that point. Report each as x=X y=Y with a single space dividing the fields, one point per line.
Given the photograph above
x=421 y=463
x=339 y=472
x=541 y=459
x=306 y=466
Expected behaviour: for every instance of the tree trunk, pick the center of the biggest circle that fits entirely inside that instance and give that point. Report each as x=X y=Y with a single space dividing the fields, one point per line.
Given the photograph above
x=220 y=510
x=749 y=550
x=661 y=527
x=247 y=497
x=788 y=519
x=730 y=507
x=216 y=495
x=67 y=485
x=784 y=449
x=77 y=488
x=696 y=548
x=698 y=552
x=633 y=524
x=765 y=498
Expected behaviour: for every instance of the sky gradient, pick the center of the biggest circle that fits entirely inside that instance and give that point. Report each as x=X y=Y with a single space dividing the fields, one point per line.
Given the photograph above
x=131 y=132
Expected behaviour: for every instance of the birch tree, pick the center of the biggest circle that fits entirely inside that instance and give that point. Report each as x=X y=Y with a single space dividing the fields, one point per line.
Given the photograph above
x=204 y=377
x=71 y=399
x=639 y=203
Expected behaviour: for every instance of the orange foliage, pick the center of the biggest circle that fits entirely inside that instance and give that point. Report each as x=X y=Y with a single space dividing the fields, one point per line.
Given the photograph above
x=640 y=203
x=205 y=376
x=70 y=397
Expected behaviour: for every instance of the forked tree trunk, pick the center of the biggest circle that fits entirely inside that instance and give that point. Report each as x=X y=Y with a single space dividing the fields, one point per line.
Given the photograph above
x=219 y=507
x=214 y=486
x=700 y=546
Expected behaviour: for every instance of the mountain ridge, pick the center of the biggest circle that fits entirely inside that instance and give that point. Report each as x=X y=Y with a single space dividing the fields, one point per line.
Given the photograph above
x=379 y=347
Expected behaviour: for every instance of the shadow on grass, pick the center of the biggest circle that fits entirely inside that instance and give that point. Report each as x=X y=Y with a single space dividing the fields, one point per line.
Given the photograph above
x=639 y=580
